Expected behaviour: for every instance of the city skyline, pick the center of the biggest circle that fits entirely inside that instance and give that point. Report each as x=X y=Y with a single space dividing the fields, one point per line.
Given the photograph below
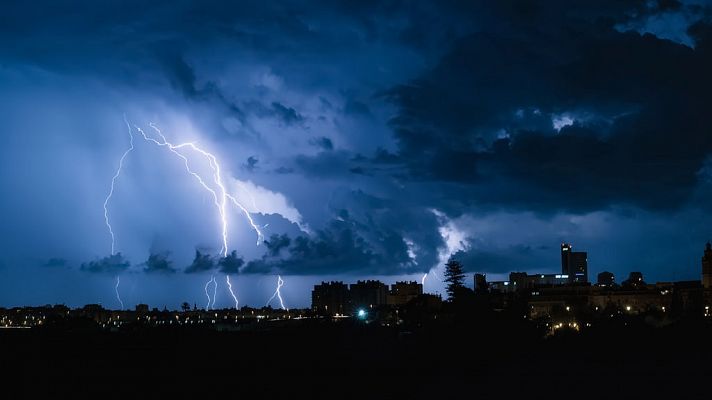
x=527 y=278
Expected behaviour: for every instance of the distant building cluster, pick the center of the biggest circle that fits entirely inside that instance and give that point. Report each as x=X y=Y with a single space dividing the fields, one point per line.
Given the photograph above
x=332 y=298
x=94 y=316
x=574 y=271
x=563 y=298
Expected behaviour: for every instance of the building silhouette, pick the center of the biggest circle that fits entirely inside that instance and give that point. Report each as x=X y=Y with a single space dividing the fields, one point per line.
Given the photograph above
x=481 y=284
x=574 y=264
x=606 y=279
x=521 y=281
x=634 y=281
x=368 y=294
x=331 y=297
x=707 y=267
x=403 y=292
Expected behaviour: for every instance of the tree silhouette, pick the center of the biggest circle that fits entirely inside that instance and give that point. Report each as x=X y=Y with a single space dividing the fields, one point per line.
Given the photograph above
x=185 y=306
x=454 y=277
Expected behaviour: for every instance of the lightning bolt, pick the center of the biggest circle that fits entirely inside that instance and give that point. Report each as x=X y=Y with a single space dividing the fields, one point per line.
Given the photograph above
x=212 y=279
x=221 y=196
x=422 y=281
x=116 y=289
x=229 y=286
x=215 y=292
x=113 y=182
x=277 y=293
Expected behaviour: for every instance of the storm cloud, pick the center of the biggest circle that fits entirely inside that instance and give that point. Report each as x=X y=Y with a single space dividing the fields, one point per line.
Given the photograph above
x=362 y=139
x=159 y=264
x=231 y=263
x=561 y=113
x=113 y=264
x=201 y=263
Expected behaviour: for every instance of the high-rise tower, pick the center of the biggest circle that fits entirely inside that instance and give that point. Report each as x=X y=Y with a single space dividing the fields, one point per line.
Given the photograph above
x=574 y=264
x=707 y=267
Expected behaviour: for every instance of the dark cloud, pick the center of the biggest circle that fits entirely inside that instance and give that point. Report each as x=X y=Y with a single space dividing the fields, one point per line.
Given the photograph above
x=56 y=263
x=276 y=243
x=335 y=250
x=287 y=115
x=383 y=156
x=631 y=110
x=284 y=170
x=231 y=264
x=358 y=171
x=370 y=237
x=159 y=264
x=325 y=164
x=114 y=264
x=323 y=142
x=251 y=163
x=201 y=263
x=357 y=108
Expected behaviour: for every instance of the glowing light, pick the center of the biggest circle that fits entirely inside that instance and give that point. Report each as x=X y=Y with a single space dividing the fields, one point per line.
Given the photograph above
x=116 y=289
x=229 y=287
x=362 y=313
x=113 y=182
x=561 y=121
x=278 y=293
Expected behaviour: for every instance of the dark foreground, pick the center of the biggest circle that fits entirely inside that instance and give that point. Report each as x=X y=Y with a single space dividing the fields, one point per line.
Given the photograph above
x=351 y=360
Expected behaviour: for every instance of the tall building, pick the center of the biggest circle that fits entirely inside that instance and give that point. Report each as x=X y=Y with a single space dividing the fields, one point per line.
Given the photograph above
x=574 y=264
x=519 y=280
x=707 y=267
x=403 y=292
x=331 y=298
x=481 y=284
x=634 y=281
x=368 y=294
x=606 y=279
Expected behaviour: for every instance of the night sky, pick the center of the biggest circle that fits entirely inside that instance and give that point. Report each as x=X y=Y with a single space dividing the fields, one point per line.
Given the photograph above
x=366 y=139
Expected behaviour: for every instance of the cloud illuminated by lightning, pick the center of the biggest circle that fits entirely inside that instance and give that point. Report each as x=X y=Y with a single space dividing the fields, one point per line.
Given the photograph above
x=221 y=197
x=229 y=287
x=116 y=289
x=214 y=185
x=277 y=293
